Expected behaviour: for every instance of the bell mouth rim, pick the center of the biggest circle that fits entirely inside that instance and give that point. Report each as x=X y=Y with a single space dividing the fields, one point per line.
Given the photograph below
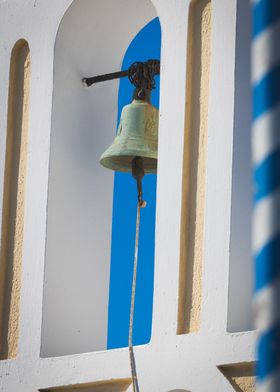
x=122 y=163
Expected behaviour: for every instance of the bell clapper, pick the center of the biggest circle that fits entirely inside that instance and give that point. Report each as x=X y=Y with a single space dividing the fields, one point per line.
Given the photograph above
x=138 y=174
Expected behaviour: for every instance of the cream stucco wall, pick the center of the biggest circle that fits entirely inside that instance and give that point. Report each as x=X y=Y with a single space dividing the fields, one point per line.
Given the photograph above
x=14 y=197
x=194 y=171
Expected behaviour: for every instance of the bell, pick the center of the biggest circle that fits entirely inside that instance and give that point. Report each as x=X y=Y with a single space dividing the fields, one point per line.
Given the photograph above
x=136 y=137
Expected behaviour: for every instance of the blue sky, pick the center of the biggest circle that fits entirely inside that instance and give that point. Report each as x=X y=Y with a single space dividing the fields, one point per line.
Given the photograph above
x=146 y=45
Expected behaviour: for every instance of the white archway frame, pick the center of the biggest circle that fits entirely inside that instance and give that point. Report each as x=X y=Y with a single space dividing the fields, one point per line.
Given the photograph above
x=80 y=194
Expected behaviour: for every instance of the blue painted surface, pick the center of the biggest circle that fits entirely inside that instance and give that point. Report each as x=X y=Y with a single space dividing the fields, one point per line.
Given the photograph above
x=265 y=13
x=267 y=264
x=269 y=353
x=146 y=45
x=266 y=97
x=266 y=93
x=267 y=177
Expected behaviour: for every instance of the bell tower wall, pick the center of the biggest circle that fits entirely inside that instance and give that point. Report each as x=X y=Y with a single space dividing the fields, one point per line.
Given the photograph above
x=60 y=342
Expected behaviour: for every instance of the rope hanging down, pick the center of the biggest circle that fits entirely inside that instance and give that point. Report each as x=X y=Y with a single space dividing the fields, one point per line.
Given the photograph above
x=130 y=345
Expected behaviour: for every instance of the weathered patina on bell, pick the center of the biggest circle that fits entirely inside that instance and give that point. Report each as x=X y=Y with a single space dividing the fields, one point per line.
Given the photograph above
x=137 y=136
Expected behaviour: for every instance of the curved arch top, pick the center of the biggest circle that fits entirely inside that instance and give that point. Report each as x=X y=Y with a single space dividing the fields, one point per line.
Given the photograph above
x=179 y=390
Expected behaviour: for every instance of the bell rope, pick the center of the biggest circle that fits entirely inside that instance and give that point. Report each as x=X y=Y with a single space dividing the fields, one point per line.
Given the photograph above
x=133 y=292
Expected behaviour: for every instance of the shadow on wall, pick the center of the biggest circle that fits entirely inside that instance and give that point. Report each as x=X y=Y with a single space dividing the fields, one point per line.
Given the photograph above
x=121 y=385
x=240 y=313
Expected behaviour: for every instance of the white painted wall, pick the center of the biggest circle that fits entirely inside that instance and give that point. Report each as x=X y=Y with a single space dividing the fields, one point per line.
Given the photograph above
x=169 y=361
x=240 y=316
x=78 y=246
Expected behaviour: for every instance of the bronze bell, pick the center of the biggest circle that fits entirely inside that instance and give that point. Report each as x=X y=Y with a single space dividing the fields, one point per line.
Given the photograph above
x=137 y=136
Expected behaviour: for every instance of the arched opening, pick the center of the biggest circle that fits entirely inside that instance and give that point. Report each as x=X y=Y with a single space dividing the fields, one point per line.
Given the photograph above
x=90 y=41
x=144 y=46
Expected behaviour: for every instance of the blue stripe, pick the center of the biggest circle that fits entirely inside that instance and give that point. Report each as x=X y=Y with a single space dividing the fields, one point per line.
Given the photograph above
x=268 y=263
x=267 y=175
x=265 y=13
x=268 y=353
x=266 y=94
